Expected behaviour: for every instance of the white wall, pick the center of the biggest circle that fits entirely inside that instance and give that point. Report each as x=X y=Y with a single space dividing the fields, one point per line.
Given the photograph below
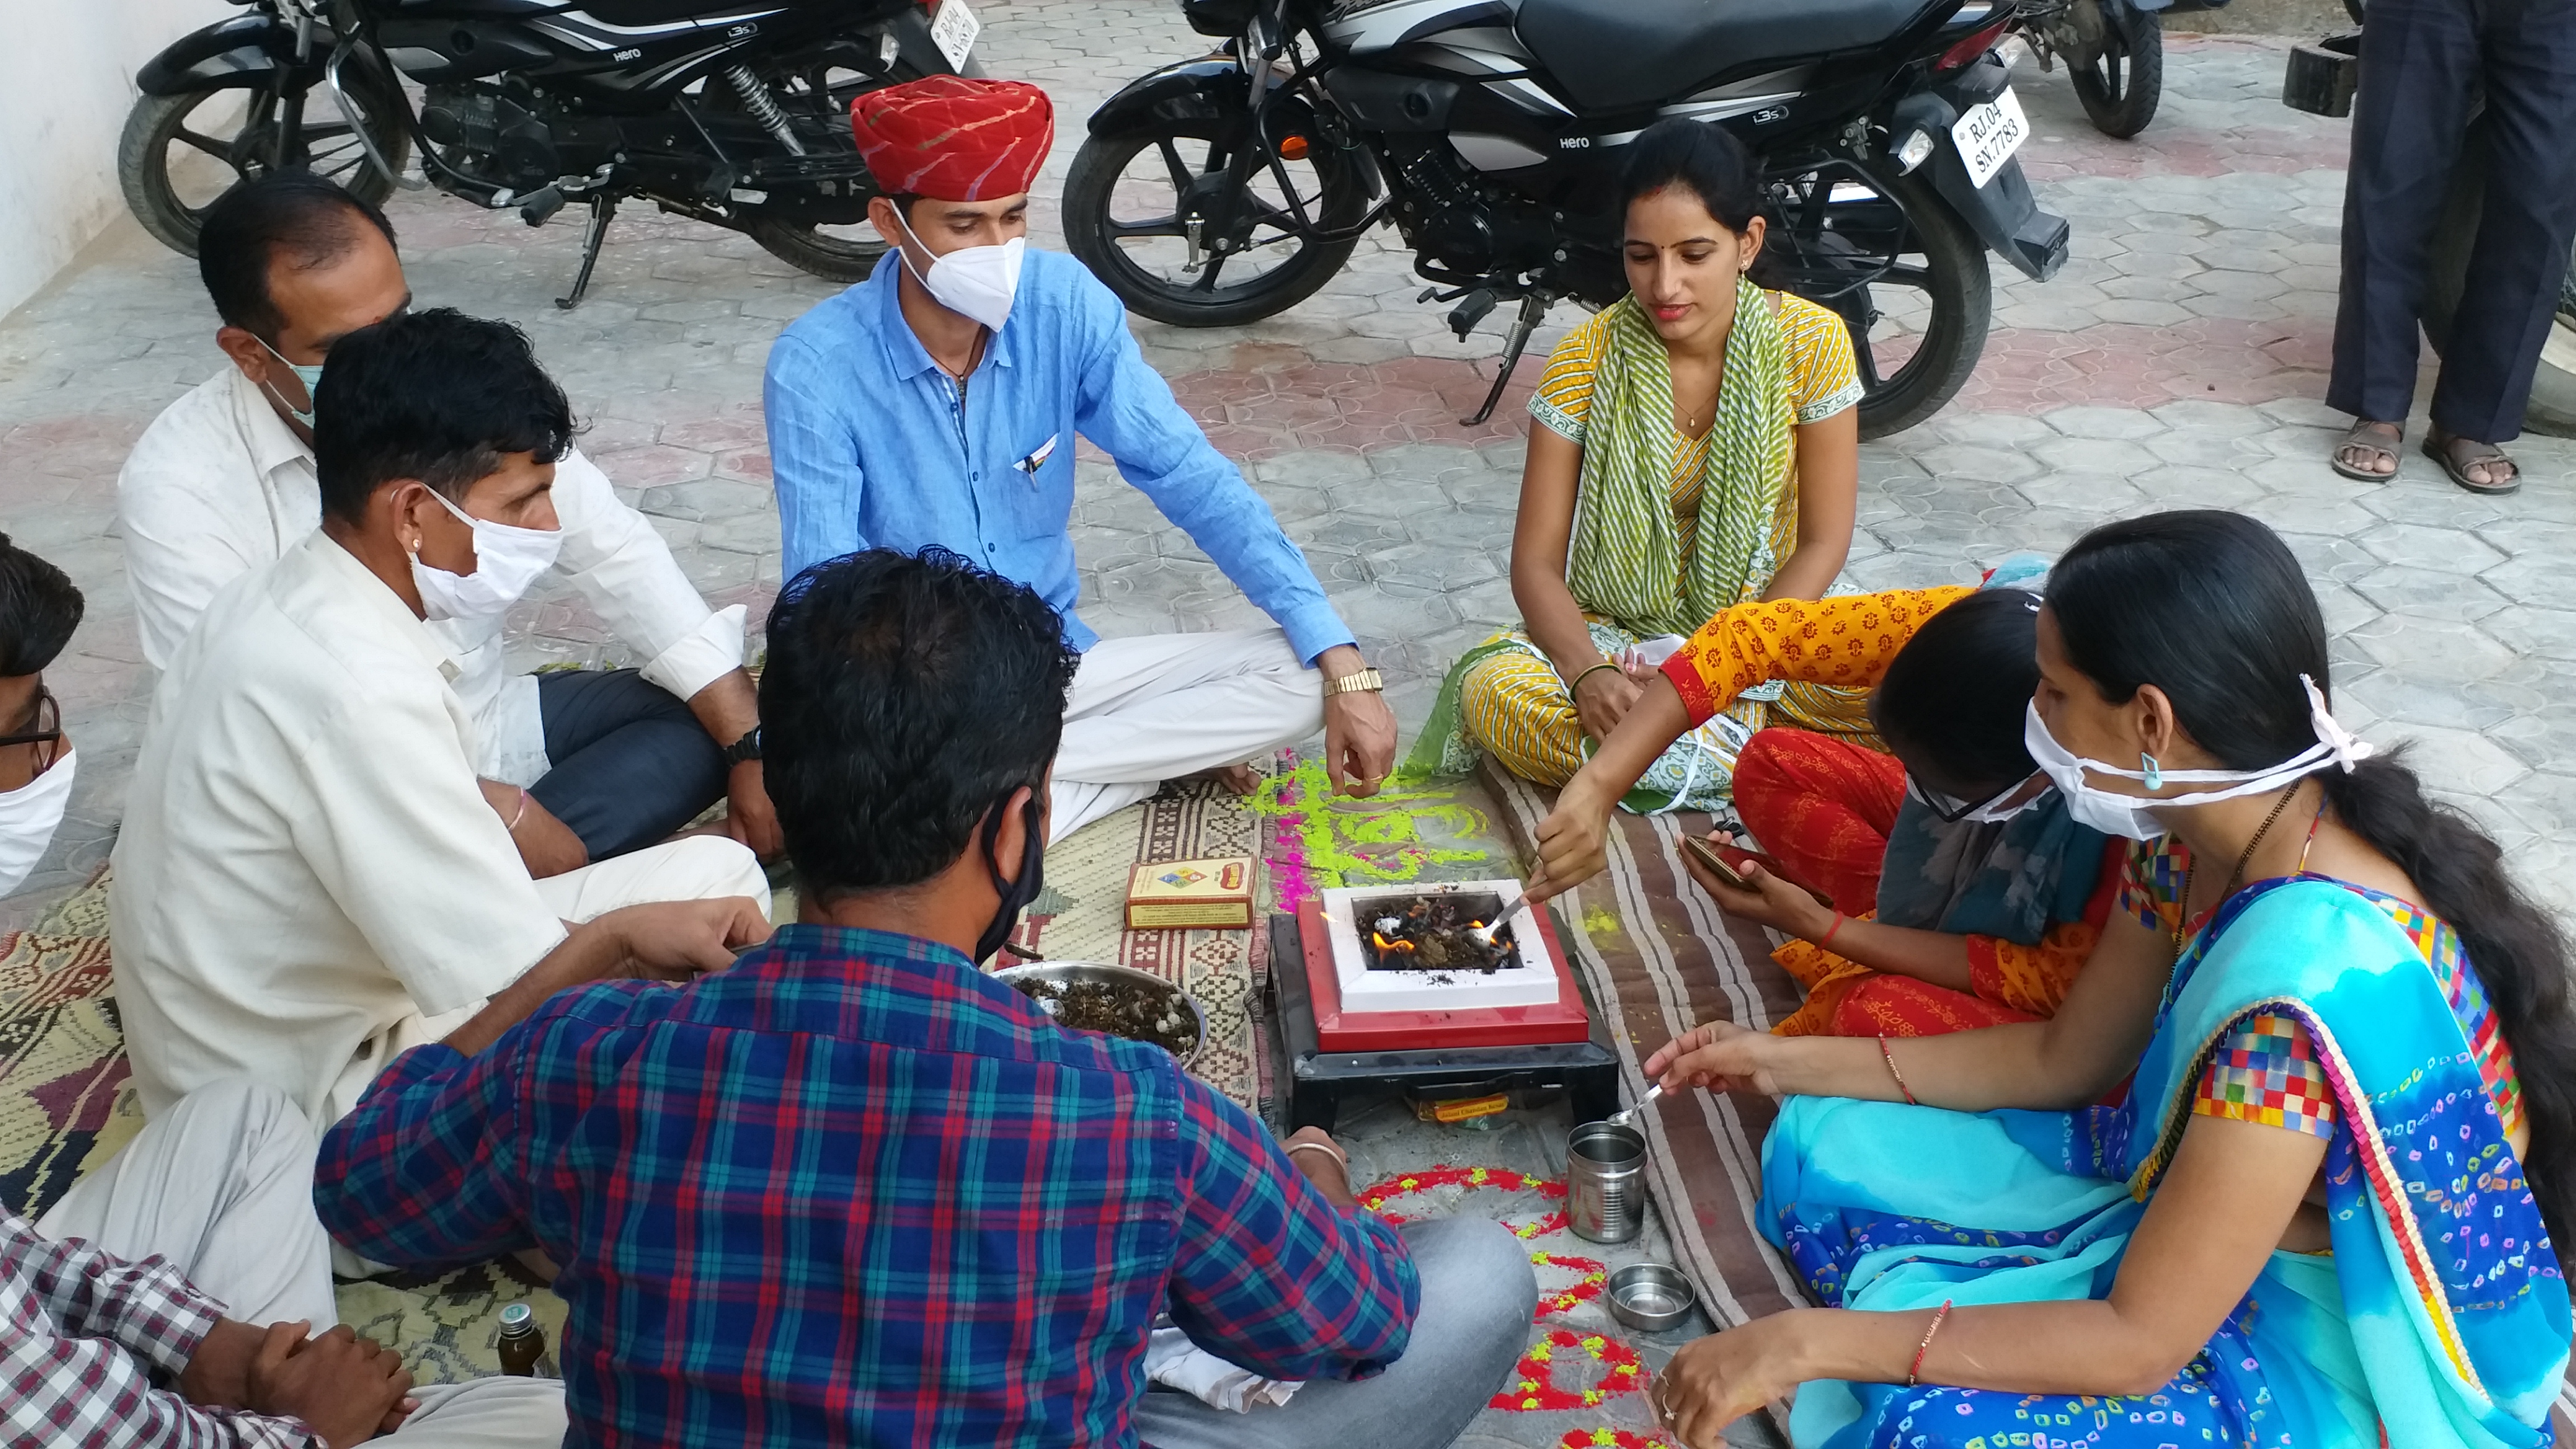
x=71 y=83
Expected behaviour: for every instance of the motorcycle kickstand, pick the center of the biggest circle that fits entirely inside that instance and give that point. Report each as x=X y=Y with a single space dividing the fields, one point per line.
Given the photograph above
x=602 y=207
x=1533 y=311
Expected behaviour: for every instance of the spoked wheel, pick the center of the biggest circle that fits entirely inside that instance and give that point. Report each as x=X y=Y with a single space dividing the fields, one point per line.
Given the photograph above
x=180 y=152
x=1140 y=212
x=2122 y=86
x=1905 y=273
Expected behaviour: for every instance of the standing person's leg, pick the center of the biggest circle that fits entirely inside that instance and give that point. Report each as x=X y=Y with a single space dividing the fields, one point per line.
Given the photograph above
x=2419 y=63
x=2510 y=295
x=702 y=867
x=1822 y=807
x=221 y=1185
x=1478 y=1295
x=628 y=762
x=493 y=1413
x=1154 y=708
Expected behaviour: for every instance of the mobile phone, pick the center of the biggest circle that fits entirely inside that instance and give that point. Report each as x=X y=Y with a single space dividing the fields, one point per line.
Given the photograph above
x=1706 y=854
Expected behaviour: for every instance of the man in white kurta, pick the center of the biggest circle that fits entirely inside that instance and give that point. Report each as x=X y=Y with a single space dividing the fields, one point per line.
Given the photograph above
x=222 y=483
x=308 y=877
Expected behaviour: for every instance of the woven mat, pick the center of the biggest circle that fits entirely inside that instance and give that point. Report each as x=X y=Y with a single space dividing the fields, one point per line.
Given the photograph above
x=64 y=1103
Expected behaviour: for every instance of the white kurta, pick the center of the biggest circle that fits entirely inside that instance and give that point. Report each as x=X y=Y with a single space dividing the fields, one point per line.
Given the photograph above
x=307 y=870
x=219 y=485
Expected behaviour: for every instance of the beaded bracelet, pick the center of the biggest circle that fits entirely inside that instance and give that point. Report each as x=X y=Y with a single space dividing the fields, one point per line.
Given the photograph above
x=1914 y=1375
x=1888 y=1055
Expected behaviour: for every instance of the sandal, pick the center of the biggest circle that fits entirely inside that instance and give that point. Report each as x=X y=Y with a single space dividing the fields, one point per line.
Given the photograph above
x=2438 y=448
x=2368 y=435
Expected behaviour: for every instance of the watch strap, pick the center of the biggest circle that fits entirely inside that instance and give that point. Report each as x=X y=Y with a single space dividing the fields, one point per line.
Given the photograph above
x=745 y=749
x=1365 y=681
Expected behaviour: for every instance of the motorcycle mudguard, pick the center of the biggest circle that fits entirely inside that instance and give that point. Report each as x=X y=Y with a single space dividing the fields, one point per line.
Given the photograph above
x=1208 y=89
x=2003 y=213
x=245 y=51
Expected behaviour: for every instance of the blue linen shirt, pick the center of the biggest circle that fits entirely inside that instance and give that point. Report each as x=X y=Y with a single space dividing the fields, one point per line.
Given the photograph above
x=871 y=446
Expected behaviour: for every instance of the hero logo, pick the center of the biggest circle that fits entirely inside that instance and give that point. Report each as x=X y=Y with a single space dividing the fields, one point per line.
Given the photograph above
x=621 y=57
x=742 y=32
x=1573 y=143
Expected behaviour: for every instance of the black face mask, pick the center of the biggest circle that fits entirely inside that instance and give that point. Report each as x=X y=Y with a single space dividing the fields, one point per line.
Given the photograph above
x=1016 y=894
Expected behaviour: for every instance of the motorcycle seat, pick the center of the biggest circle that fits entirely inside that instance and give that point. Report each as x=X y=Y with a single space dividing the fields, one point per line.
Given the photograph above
x=1623 y=55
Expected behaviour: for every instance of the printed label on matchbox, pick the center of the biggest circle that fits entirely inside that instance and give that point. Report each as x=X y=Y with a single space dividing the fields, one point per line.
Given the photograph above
x=1185 y=893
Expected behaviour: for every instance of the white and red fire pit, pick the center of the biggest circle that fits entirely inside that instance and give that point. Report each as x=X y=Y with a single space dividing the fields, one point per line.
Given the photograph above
x=1391 y=995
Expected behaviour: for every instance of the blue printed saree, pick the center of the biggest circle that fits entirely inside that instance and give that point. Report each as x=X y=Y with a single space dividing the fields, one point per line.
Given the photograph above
x=2440 y=1316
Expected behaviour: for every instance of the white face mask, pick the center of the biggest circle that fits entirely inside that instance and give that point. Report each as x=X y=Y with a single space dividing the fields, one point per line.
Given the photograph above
x=28 y=816
x=507 y=562
x=2128 y=815
x=977 y=282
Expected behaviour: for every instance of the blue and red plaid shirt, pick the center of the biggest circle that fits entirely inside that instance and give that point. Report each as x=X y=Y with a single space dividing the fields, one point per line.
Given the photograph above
x=855 y=1191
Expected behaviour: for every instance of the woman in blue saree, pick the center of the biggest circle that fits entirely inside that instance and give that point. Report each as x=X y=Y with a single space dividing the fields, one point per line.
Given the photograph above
x=2339 y=1053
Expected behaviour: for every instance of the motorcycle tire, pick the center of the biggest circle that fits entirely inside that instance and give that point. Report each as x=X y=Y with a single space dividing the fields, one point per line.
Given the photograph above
x=809 y=249
x=1960 y=292
x=157 y=124
x=2552 y=409
x=1090 y=232
x=2122 y=86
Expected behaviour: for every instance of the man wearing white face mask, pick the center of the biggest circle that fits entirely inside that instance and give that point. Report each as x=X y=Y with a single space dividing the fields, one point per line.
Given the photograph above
x=308 y=878
x=39 y=608
x=939 y=402
x=588 y=764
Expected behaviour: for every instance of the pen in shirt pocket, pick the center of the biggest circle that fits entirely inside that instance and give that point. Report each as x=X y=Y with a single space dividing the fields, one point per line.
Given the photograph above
x=1036 y=460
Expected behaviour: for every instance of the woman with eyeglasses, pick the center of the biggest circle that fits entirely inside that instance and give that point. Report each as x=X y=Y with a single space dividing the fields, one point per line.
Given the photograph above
x=39 y=608
x=1934 y=889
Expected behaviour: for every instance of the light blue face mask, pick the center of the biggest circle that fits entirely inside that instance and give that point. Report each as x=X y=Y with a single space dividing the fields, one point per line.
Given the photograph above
x=310 y=374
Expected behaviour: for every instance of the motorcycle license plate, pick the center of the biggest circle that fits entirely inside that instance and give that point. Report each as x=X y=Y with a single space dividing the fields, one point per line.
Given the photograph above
x=954 y=30
x=1987 y=136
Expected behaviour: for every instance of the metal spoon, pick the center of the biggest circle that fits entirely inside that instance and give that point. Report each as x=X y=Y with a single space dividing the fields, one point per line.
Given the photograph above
x=1627 y=1115
x=1502 y=917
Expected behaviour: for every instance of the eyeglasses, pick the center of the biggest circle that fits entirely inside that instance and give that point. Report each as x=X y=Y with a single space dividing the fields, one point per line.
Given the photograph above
x=1949 y=808
x=46 y=738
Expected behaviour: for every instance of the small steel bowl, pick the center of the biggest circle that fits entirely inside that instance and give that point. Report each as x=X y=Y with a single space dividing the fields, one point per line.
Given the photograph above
x=1650 y=1297
x=1066 y=973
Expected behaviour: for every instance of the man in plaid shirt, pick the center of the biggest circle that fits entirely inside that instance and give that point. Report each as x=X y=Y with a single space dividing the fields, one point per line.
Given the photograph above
x=853 y=1191
x=170 y=1301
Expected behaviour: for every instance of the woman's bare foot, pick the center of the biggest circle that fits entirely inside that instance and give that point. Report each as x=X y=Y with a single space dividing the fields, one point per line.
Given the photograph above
x=2369 y=450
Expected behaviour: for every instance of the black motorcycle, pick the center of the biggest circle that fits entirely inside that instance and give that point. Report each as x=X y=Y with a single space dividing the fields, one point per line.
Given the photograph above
x=1224 y=189
x=735 y=114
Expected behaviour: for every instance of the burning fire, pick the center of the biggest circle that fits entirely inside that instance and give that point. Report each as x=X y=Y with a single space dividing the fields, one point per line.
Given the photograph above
x=1384 y=944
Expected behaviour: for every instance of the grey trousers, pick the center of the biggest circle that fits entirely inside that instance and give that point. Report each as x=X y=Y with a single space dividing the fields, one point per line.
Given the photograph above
x=221 y=1185
x=1478 y=1295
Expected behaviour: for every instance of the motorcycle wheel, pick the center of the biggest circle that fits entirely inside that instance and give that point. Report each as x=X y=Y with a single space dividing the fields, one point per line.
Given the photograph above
x=2122 y=86
x=1918 y=323
x=172 y=169
x=2552 y=408
x=1145 y=260
x=816 y=250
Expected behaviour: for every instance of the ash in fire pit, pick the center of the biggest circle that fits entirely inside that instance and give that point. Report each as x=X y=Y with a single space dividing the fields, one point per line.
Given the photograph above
x=1435 y=933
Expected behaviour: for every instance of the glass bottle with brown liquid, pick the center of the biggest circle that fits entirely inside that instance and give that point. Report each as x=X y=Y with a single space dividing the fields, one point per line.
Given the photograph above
x=522 y=1345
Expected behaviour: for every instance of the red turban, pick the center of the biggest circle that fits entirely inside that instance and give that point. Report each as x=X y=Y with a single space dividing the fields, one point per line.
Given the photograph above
x=956 y=139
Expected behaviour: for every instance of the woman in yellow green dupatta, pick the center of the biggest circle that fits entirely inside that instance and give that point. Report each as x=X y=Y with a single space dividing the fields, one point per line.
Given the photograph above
x=2316 y=1208
x=1697 y=447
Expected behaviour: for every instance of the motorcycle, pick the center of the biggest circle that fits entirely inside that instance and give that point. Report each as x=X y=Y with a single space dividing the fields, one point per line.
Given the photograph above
x=1228 y=188
x=735 y=114
x=2114 y=52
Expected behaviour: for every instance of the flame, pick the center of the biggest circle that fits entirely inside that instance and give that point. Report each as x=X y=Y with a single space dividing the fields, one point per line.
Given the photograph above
x=1384 y=944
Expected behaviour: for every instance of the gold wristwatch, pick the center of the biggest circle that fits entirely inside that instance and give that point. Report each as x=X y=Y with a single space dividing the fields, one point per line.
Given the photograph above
x=1366 y=680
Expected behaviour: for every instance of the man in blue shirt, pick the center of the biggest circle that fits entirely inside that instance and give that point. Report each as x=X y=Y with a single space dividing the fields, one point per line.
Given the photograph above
x=938 y=403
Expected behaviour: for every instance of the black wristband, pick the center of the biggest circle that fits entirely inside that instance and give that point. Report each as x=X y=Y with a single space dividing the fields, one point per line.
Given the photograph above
x=745 y=749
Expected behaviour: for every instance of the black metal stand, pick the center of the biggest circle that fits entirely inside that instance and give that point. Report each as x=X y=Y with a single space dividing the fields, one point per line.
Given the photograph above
x=1311 y=1081
x=603 y=208
x=1533 y=311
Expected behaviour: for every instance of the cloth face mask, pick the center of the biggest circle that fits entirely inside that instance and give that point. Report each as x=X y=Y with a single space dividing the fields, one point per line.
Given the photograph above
x=507 y=562
x=977 y=282
x=2128 y=816
x=310 y=374
x=28 y=818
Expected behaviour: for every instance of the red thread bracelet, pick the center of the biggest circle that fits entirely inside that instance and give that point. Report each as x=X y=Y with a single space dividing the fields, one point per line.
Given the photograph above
x=1914 y=1375
x=1828 y=938
x=1888 y=1055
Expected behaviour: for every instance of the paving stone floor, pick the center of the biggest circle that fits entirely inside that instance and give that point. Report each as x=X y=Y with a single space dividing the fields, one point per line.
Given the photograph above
x=2177 y=361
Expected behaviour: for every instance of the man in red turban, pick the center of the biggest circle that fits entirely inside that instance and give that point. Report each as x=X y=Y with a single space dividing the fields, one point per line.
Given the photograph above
x=938 y=403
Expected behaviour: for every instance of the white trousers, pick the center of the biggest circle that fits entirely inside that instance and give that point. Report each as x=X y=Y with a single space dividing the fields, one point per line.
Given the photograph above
x=1154 y=708
x=221 y=1185
x=696 y=868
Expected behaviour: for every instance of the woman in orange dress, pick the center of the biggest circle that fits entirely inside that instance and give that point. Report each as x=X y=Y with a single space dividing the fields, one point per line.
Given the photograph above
x=1936 y=889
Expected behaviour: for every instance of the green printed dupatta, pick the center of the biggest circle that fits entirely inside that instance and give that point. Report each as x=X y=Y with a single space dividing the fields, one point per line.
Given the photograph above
x=1625 y=561
x=2441 y=1316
